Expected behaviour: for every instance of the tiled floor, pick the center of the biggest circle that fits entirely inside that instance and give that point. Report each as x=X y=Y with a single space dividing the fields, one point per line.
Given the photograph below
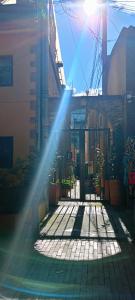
x=84 y=252
x=84 y=220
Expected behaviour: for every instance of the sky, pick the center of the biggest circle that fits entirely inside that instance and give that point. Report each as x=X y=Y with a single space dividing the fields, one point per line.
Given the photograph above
x=77 y=28
x=77 y=42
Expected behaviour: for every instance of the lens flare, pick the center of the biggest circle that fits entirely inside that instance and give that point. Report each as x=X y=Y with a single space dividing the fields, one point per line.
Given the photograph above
x=90 y=7
x=28 y=223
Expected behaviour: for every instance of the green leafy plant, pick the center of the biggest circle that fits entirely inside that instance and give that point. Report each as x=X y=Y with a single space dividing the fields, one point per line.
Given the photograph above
x=97 y=181
x=22 y=172
x=99 y=166
x=117 y=154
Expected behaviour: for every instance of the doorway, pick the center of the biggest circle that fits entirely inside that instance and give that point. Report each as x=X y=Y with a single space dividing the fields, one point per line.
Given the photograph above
x=82 y=162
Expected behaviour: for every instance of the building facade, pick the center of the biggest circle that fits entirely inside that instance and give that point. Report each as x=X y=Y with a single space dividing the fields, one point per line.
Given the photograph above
x=121 y=75
x=29 y=77
x=121 y=64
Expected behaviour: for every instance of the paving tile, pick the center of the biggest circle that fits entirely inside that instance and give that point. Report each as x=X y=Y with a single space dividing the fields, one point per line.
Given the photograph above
x=87 y=259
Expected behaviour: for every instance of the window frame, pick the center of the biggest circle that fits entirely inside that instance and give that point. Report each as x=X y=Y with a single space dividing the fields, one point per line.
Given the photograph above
x=6 y=142
x=7 y=82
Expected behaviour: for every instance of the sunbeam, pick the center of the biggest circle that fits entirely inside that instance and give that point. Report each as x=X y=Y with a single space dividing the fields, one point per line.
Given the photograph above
x=26 y=230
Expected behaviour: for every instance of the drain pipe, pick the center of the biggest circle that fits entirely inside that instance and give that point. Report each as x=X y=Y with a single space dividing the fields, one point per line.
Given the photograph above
x=44 y=69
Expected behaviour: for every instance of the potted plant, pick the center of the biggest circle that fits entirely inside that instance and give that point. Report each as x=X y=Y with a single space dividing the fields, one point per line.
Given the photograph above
x=54 y=184
x=65 y=174
x=107 y=183
x=14 y=188
x=99 y=168
x=114 y=180
x=129 y=171
x=54 y=193
x=14 y=184
x=66 y=185
x=97 y=185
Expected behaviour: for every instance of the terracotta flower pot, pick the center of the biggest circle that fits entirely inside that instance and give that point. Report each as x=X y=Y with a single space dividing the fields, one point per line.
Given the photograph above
x=107 y=190
x=54 y=193
x=115 y=192
x=98 y=190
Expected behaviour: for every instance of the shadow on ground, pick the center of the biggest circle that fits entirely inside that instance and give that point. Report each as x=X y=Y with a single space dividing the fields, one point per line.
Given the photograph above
x=34 y=275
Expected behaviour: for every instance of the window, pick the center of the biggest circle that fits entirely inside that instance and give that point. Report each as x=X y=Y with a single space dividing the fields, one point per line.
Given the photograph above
x=6 y=152
x=33 y=105
x=6 y=70
x=33 y=120
x=33 y=133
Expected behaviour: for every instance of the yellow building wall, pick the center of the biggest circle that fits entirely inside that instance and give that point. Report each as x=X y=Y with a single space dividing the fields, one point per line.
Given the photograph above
x=18 y=103
x=116 y=84
x=15 y=101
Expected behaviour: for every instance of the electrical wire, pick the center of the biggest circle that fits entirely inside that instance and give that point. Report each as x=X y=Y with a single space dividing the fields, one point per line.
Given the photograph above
x=98 y=73
x=98 y=41
x=81 y=67
x=114 y=25
x=121 y=5
x=67 y=11
x=127 y=6
x=95 y=59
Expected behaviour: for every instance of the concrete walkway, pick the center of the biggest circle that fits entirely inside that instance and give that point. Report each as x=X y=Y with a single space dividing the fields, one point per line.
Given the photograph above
x=84 y=252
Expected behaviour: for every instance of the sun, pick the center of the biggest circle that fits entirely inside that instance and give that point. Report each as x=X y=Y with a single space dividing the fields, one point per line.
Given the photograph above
x=90 y=7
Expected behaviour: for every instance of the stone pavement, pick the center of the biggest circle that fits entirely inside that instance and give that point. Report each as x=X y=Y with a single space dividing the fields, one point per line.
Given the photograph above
x=84 y=252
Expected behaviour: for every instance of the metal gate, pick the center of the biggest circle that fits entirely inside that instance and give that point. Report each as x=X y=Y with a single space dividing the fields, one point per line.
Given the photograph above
x=82 y=160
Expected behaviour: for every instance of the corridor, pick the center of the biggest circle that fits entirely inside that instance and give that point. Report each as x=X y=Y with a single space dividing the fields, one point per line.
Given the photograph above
x=84 y=251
